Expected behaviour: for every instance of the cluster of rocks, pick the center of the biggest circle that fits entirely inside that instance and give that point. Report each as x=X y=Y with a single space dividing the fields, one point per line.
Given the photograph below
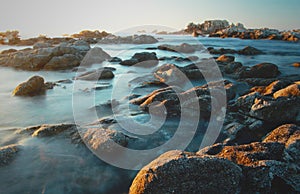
x=248 y=50
x=221 y=28
x=258 y=144
x=268 y=166
x=264 y=33
x=45 y=57
x=135 y=39
x=91 y=37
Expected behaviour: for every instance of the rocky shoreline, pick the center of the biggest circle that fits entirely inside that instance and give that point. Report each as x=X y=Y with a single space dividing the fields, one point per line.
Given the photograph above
x=257 y=150
x=222 y=29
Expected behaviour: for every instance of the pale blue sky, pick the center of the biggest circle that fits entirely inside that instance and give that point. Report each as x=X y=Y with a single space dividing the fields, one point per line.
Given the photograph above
x=55 y=17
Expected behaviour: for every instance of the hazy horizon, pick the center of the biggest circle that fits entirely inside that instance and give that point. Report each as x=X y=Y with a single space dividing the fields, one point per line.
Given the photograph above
x=54 y=18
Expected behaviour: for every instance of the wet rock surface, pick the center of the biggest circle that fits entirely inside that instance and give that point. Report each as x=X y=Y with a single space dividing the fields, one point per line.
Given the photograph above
x=8 y=153
x=32 y=87
x=182 y=172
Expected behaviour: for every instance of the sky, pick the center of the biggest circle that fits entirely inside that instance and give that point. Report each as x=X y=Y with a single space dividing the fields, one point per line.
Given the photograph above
x=57 y=17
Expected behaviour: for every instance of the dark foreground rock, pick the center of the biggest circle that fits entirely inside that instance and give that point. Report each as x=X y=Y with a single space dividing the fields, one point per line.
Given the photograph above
x=32 y=87
x=8 y=153
x=182 y=172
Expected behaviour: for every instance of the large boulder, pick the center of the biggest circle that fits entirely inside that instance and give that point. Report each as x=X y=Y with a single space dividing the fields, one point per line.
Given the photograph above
x=183 y=172
x=32 y=87
x=262 y=70
x=8 y=153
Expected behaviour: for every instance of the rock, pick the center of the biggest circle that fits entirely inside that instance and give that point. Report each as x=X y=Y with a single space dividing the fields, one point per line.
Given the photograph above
x=101 y=73
x=220 y=51
x=225 y=59
x=102 y=139
x=272 y=88
x=281 y=110
x=183 y=172
x=115 y=60
x=175 y=75
x=289 y=135
x=143 y=59
x=135 y=39
x=8 y=51
x=39 y=45
x=232 y=67
x=282 y=133
x=290 y=91
x=172 y=101
x=95 y=56
x=249 y=50
x=297 y=64
x=8 y=153
x=32 y=87
x=183 y=48
x=47 y=130
x=263 y=166
x=262 y=70
x=67 y=61
x=244 y=103
x=51 y=130
x=63 y=56
x=251 y=154
x=143 y=39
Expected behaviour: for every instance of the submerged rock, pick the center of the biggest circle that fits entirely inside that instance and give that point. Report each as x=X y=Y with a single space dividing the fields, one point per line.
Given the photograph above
x=183 y=48
x=249 y=50
x=32 y=87
x=225 y=59
x=103 y=139
x=183 y=172
x=8 y=153
x=101 y=73
x=262 y=70
x=135 y=39
x=95 y=56
x=143 y=59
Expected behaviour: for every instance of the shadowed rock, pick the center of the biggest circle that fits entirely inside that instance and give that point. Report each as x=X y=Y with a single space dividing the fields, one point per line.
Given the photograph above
x=8 y=153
